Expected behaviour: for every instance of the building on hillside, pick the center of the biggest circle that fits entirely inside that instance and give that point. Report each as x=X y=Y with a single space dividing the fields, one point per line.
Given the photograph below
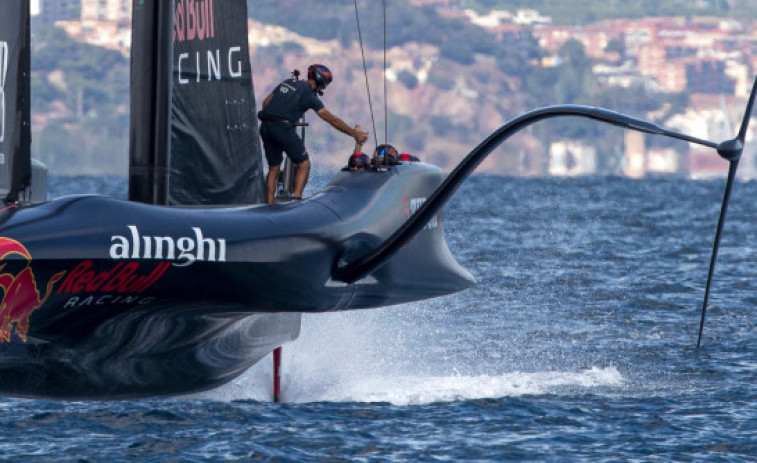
x=528 y=17
x=700 y=55
x=105 y=23
x=714 y=118
x=634 y=155
x=113 y=35
x=678 y=67
x=641 y=161
x=595 y=38
x=662 y=161
x=572 y=158
x=111 y=10
x=437 y=3
x=50 y=11
x=490 y=20
x=625 y=74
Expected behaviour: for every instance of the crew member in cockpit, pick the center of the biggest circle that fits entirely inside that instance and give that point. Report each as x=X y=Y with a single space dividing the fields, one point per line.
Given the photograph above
x=282 y=108
x=386 y=155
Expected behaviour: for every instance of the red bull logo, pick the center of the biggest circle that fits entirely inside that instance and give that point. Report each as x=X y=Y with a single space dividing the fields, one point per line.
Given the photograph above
x=123 y=278
x=193 y=20
x=20 y=294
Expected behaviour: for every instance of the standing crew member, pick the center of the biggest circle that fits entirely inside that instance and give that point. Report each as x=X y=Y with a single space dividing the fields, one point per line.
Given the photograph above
x=282 y=108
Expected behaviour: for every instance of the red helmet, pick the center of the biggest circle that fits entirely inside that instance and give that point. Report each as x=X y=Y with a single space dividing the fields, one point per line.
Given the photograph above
x=319 y=74
x=358 y=161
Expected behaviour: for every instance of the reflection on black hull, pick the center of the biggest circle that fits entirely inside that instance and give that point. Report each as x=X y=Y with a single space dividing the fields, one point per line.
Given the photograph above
x=143 y=354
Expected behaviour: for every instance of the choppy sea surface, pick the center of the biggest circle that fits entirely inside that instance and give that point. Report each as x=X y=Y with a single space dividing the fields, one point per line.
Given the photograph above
x=577 y=344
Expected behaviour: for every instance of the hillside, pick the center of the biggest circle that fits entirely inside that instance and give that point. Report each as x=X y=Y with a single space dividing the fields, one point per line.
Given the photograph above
x=440 y=108
x=584 y=12
x=449 y=84
x=80 y=105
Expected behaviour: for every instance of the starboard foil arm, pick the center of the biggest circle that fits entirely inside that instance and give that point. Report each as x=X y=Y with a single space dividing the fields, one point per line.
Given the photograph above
x=359 y=268
x=730 y=150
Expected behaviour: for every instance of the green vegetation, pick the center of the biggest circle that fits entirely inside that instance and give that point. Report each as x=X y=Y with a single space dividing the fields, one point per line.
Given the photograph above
x=408 y=79
x=335 y=19
x=578 y=12
x=82 y=93
x=330 y=19
x=525 y=85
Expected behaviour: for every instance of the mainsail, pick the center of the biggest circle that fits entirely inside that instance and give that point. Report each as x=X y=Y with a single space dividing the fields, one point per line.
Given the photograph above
x=194 y=137
x=15 y=128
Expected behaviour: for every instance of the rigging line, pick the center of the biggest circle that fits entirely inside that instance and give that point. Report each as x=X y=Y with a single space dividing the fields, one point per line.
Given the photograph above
x=365 y=72
x=386 y=96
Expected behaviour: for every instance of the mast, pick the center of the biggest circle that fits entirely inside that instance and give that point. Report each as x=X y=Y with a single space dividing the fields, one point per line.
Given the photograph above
x=194 y=135
x=15 y=102
x=151 y=55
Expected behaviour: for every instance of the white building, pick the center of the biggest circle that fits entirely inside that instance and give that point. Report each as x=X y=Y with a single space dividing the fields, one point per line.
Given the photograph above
x=492 y=19
x=717 y=123
x=572 y=158
x=111 y=10
x=528 y=17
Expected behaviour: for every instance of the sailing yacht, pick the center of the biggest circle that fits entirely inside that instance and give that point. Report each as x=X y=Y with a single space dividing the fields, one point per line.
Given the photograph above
x=192 y=280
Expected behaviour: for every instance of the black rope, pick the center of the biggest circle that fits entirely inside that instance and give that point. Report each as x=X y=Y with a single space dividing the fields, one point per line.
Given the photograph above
x=365 y=72
x=386 y=96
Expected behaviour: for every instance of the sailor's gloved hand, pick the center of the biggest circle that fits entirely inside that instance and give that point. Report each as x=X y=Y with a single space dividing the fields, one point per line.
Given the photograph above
x=360 y=136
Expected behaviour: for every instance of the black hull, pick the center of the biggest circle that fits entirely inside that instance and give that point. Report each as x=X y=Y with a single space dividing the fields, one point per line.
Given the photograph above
x=119 y=299
x=145 y=353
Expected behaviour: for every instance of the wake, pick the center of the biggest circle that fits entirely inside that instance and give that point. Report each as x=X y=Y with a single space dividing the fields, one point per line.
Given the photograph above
x=364 y=357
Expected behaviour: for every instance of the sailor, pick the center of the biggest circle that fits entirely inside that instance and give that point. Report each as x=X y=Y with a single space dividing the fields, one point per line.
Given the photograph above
x=385 y=155
x=282 y=108
x=359 y=161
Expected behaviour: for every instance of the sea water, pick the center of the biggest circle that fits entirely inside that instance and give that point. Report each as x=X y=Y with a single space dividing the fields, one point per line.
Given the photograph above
x=576 y=344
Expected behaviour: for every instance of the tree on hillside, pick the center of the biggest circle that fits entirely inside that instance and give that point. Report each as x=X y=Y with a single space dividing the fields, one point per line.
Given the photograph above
x=329 y=19
x=85 y=69
x=575 y=81
x=578 y=13
x=92 y=84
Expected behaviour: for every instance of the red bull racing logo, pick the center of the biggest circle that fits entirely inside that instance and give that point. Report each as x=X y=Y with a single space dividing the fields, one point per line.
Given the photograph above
x=121 y=285
x=198 y=57
x=193 y=19
x=20 y=294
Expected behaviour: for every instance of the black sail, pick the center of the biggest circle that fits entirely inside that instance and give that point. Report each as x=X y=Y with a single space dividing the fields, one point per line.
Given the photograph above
x=198 y=143
x=15 y=128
